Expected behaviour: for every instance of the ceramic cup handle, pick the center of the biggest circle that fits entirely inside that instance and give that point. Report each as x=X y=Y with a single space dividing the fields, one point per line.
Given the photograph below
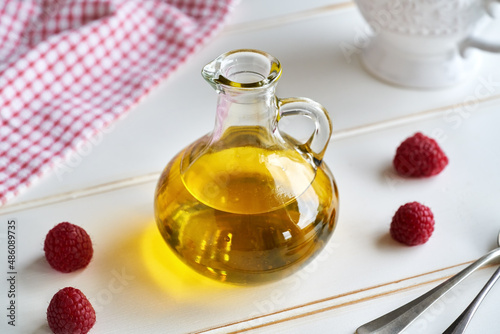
x=473 y=42
x=319 y=139
x=488 y=4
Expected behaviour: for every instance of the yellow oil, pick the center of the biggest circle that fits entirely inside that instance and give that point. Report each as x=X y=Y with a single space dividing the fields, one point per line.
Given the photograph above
x=245 y=212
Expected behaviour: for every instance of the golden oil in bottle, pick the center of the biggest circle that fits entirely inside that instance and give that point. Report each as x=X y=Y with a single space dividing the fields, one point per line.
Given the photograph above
x=247 y=212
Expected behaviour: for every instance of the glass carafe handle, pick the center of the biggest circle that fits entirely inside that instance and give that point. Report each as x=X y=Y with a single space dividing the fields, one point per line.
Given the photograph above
x=319 y=139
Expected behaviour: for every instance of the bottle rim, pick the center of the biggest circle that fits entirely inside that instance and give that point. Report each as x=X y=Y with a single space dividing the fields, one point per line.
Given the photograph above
x=243 y=68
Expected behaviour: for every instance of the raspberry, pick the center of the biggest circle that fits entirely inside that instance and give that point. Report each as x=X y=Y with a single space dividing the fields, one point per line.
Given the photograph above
x=68 y=247
x=412 y=224
x=419 y=156
x=70 y=312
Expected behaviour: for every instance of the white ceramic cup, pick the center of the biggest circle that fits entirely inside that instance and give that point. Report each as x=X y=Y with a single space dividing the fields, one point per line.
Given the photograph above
x=424 y=43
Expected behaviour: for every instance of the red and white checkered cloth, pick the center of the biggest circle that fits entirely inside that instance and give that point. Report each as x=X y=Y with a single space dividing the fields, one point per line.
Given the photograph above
x=69 y=68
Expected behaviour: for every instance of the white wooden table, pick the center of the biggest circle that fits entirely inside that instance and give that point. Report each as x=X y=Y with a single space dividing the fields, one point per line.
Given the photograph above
x=137 y=287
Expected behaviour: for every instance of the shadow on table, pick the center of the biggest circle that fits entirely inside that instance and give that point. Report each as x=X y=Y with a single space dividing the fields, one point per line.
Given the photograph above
x=144 y=260
x=43 y=329
x=386 y=241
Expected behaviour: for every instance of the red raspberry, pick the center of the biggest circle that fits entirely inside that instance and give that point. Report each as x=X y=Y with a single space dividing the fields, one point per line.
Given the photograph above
x=412 y=224
x=419 y=156
x=68 y=247
x=70 y=312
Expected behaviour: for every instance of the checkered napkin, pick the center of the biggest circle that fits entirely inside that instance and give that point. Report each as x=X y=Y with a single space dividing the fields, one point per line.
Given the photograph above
x=69 y=68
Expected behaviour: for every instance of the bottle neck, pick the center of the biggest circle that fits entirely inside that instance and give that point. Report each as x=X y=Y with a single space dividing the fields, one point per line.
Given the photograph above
x=255 y=108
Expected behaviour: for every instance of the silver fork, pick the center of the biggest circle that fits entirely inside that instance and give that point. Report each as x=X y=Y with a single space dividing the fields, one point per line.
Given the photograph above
x=396 y=321
x=463 y=320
